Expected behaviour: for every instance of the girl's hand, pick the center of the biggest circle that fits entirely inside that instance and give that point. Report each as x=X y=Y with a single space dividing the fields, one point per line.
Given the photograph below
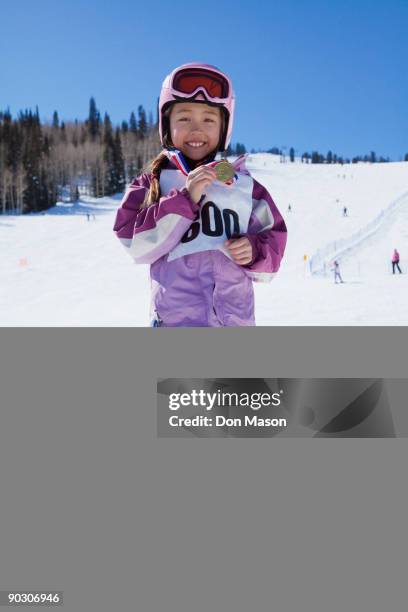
x=240 y=250
x=198 y=180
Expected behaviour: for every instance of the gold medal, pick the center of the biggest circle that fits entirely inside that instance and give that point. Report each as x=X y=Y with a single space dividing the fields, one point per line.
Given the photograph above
x=224 y=171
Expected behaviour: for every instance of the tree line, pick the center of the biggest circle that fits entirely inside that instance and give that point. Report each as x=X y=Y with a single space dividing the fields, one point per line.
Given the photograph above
x=41 y=164
x=331 y=158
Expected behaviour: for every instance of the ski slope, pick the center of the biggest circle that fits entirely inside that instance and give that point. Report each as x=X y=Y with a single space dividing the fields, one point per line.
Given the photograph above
x=60 y=269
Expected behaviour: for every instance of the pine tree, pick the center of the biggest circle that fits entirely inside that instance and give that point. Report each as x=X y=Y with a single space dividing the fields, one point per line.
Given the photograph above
x=108 y=157
x=240 y=149
x=63 y=133
x=46 y=145
x=55 y=120
x=142 y=123
x=329 y=157
x=94 y=119
x=37 y=193
x=6 y=161
x=292 y=154
x=315 y=157
x=107 y=127
x=119 y=165
x=133 y=123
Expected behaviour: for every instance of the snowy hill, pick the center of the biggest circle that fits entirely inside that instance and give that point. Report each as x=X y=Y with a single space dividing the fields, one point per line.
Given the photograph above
x=61 y=269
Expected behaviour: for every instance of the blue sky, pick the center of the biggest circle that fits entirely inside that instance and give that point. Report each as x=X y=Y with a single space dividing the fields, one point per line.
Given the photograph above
x=312 y=75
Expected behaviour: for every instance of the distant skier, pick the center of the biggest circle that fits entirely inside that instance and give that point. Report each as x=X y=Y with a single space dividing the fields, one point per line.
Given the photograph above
x=336 y=269
x=395 y=262
x=345 y=211
x=87 y=216
x=289 y=208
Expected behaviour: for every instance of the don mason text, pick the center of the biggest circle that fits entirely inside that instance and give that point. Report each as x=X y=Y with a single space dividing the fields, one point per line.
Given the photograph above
x=222 y=421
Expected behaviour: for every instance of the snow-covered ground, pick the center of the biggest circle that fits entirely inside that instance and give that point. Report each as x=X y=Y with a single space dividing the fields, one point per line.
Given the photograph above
x=59 y=269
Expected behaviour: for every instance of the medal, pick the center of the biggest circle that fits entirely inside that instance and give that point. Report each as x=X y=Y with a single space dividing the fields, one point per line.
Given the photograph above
x=225 y=171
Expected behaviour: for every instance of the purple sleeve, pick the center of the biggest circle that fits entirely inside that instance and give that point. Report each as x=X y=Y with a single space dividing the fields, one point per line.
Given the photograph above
x=267 y=234
x=150 y=232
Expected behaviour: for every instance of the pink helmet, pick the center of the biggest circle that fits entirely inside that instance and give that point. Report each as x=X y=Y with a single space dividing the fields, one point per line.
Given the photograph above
x=186 y=82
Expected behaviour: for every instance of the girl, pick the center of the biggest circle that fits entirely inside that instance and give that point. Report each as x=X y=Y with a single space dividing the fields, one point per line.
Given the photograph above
x=206 y=228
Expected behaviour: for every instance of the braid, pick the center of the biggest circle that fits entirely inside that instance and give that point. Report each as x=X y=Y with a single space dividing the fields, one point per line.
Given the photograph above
x=156 y=166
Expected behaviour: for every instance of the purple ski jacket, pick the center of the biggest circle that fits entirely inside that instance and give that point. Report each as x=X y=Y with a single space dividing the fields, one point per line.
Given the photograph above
x=205 y=288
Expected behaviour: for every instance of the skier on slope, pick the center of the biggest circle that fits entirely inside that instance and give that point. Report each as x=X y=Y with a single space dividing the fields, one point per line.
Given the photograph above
x=337 y=275
x=395 y=262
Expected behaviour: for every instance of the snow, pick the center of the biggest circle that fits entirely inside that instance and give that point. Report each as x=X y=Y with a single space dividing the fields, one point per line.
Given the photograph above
x=59 y=269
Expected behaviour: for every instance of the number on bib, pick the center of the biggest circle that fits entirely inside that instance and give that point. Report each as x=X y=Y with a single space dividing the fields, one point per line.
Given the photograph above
x=213 y=223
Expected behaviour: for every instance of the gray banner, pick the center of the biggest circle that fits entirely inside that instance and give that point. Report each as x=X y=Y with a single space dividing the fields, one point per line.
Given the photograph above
x=284 y=407
x=95 y=504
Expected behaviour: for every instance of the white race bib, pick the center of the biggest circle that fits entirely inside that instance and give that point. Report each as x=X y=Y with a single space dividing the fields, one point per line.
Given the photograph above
x=224 y=213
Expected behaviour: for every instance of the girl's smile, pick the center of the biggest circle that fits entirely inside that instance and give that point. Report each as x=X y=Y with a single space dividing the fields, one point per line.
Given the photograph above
x=195 y=128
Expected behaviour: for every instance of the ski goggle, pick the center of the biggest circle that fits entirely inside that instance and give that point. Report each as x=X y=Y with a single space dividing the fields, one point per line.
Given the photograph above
x=190 y=81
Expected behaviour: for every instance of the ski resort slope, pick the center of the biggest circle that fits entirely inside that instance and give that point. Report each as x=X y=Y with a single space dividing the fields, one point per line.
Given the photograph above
x=61 y=269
